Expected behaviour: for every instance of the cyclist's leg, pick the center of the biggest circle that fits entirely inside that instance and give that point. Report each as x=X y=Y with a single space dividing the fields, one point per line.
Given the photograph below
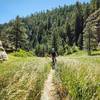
x=52 y=59
x=53 y=62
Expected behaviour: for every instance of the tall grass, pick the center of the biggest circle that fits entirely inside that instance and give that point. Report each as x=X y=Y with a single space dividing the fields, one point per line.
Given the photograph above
x=81 y=77
x=22 y=78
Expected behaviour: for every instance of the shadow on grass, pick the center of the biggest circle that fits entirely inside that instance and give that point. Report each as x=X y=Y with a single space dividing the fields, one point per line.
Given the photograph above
x=95 y=54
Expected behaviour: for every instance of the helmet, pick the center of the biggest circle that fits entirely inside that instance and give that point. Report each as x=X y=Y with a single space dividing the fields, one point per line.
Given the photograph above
x=53 y=49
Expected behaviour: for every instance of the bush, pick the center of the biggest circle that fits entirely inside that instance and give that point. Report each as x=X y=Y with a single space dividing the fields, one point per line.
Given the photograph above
x=68 y=50
x=60 y=51
x=23 y=53
x=71 y=50
x=40 y=50
x=75 y=48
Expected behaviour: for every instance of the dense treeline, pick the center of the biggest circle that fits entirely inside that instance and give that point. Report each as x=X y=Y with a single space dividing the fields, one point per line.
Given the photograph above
x=61 y=28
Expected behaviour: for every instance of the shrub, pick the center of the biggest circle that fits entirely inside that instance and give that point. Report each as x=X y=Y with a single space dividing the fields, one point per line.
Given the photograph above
x=60 y=51
x=40 y=50
x=75 y=48
x=23 y=53
x=68 y=50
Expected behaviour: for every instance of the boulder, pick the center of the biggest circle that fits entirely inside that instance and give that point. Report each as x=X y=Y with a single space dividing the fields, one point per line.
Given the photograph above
x=3 y=54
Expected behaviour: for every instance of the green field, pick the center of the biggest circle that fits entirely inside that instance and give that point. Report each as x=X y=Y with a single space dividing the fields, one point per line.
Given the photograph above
x=80 y=76
x=22 y=78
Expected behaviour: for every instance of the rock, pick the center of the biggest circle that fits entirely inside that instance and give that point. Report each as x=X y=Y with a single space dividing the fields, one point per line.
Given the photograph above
x=93 y=25
x=93 y=21
x=3 y=54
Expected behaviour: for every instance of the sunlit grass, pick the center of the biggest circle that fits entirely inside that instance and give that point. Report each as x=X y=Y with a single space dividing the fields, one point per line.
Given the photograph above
x=80 y=76
x=23 y=77
x=83 y=53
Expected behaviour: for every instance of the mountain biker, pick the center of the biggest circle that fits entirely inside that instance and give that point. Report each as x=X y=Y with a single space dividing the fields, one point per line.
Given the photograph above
x=53 y=54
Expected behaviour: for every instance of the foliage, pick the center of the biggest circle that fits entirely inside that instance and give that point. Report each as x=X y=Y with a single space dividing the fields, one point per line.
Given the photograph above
x=23 y=53
x=95 y=4
x=71 y=50
x=40 y=50
x=68 y=50
x=75 y=48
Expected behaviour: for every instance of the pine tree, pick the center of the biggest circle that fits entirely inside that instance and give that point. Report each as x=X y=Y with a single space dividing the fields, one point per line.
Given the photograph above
x=20 y=36
x=68 y=34
x=95 y=4
x=54 y=42
x=79 y=26
x=87 y=12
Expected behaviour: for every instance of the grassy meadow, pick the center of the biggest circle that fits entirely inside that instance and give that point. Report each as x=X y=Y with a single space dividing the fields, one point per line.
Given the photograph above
x=22 y=78
x=80 y=76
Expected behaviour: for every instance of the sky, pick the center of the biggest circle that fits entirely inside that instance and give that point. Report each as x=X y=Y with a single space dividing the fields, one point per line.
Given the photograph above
x=9 y=9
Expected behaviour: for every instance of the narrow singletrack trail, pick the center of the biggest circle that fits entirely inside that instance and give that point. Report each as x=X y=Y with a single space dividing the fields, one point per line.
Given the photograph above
x=49 y=92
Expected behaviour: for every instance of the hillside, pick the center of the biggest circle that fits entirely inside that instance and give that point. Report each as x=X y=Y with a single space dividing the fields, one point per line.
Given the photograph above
x=38 y=30
x=61 y=28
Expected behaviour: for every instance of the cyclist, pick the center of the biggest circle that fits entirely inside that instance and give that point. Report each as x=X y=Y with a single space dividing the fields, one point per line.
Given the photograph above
x=53 y=54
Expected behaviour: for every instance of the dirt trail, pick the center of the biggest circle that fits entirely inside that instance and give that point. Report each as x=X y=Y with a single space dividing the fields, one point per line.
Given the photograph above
x=49 y=92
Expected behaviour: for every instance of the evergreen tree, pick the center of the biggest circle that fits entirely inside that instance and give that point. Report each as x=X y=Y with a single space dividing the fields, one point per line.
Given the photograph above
x=95 y=4
x=68 y=34
x=20 y=36
x=54 y=41
x=87 y=12
x=79 y=25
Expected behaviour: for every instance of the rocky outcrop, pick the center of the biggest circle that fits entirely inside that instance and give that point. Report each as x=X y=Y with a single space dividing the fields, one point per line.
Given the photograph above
x=93 y=26
x=3 y=54
x=93 y=21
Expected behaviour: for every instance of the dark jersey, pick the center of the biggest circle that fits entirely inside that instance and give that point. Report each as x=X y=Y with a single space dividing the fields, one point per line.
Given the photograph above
x=53 y=54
